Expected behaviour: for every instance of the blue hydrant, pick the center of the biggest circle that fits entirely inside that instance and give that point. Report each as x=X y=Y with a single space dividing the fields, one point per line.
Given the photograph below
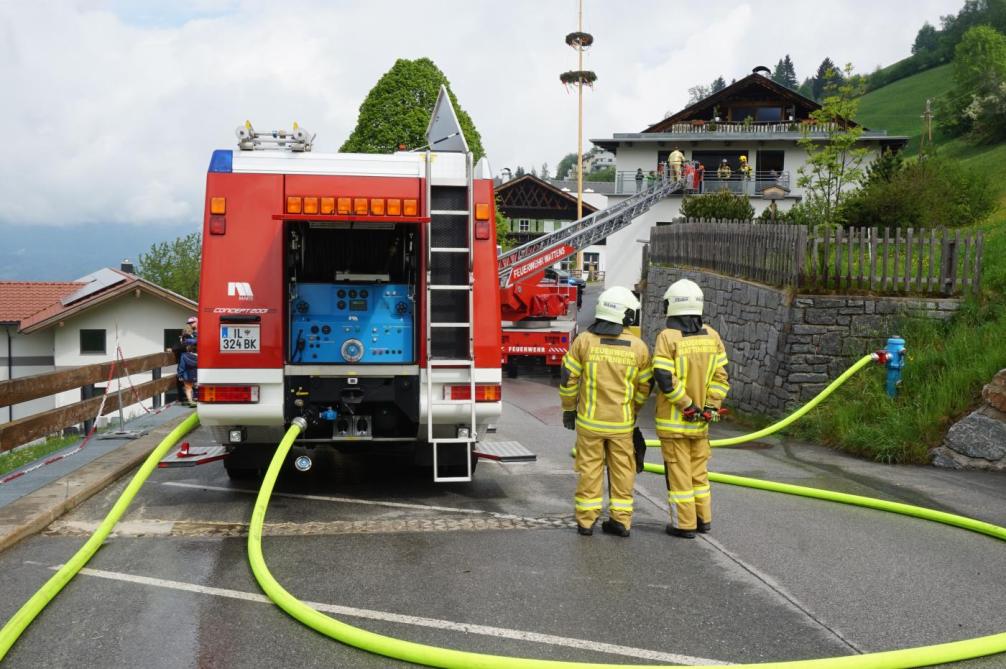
x=895 y=362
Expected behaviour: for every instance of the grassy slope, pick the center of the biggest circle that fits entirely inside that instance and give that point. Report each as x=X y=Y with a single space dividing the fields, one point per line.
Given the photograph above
x=948 y=363
x=897 y=107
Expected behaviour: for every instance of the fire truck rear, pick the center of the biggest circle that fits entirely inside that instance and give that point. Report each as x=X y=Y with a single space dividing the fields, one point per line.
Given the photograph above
x=346 y=289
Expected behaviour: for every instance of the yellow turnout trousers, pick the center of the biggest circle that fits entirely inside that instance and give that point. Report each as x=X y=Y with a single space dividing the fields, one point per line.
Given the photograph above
x=593 y=450
x=687 y=478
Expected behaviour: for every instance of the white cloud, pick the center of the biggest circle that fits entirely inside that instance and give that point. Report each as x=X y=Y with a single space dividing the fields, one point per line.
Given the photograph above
x=111 y=109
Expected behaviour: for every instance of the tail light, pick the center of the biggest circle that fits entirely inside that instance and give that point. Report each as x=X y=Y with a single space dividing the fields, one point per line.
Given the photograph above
x=227 y=394
x=492 y=393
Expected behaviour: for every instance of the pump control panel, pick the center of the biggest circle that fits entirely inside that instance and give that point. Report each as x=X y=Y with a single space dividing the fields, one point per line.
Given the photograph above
x=347 y=323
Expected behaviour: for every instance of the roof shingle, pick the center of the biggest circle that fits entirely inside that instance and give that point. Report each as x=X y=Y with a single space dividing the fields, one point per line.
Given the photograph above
x=21 y=299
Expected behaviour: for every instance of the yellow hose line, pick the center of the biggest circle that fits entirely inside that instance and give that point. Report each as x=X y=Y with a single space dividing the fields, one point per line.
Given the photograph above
x=455 y=659
x=29 y=611
x=793 y=417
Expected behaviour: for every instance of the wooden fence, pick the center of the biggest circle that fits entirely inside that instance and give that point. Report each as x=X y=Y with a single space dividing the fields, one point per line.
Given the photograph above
x=771 y=254
x=927 y=261
x=14 y=391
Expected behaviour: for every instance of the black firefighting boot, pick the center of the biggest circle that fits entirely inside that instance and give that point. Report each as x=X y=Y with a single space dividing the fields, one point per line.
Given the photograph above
x=614 y=527
x=703 y=527
x=678 y=532
x=584 y=531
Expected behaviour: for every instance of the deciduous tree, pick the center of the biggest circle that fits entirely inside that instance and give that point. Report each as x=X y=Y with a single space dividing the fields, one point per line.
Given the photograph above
x=174 y=265
x=834 y=162
x=397 y=110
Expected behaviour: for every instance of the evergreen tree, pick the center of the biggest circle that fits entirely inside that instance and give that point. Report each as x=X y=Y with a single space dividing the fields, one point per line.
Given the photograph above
x=397 y=110
x=779 y=73
x=719 y=83
x=544 y=171
x=519 y=172
x=789 y=73
x=807 y=88
x=827 y=75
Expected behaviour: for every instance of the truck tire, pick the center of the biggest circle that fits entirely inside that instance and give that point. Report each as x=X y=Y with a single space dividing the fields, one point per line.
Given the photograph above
x=242 y=473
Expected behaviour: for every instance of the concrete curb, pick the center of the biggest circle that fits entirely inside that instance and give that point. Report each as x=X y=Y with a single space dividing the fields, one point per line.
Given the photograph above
x=35 y=511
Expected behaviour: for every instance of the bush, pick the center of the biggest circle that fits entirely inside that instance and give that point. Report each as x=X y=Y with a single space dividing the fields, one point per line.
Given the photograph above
x=718 y=205
x=928 y=193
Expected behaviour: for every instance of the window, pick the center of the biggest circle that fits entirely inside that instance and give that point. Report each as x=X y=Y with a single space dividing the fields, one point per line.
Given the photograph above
x=92 y=341
x=523 y=225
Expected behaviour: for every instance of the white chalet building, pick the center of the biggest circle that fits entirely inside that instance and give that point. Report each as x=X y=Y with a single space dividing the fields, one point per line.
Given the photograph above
x=754 y=117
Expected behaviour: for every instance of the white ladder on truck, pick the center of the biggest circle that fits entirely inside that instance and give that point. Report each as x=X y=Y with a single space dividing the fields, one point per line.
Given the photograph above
x=450 y=347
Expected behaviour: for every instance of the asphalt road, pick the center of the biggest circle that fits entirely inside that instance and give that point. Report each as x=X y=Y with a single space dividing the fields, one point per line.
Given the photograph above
x=494 y=565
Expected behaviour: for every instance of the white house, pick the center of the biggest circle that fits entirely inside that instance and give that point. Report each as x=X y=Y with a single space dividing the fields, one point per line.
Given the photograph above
x=48 y=326
x=754 y=118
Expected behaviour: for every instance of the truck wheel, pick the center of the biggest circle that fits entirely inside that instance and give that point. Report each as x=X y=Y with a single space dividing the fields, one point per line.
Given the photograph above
x=237 y=473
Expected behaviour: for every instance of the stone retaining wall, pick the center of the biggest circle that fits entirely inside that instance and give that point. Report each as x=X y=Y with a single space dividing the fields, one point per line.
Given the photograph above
x=785 y=348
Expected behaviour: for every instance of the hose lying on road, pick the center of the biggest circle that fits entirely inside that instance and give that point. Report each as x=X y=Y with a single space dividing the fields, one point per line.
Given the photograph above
x=28 y=612
x=455 y=659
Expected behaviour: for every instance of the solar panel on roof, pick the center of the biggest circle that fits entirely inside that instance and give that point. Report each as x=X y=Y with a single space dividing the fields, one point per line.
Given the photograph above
x=96 y=282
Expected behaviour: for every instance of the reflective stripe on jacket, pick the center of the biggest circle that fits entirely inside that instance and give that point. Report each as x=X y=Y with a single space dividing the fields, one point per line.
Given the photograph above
x=697 y=366
x=606 y=379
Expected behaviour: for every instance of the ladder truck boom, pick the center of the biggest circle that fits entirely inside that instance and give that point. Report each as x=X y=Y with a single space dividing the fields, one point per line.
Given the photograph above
x=526 y=261
x=535 y=314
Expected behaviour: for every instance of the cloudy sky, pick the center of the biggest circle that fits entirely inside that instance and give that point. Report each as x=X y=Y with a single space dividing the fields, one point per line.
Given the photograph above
x=110 y=108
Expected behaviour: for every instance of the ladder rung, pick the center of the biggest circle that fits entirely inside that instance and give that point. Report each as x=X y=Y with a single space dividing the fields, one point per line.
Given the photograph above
x=449 y=324
x=449 y=362
x=452 y=402
x=454 y=440
x=442 y=286
x=448 y=249
x=448 y=212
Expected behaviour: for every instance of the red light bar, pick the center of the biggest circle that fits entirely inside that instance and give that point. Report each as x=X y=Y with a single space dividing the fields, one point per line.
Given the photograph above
x=227 y=394
x=482 y=393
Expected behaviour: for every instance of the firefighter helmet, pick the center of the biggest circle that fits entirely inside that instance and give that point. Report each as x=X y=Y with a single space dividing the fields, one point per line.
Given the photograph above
x=744 y=159
x=192 y=320
x=616 y=305
x=683 y=298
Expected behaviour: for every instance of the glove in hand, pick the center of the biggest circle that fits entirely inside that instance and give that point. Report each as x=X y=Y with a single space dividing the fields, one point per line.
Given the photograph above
x=569 y=420
x=692 y=413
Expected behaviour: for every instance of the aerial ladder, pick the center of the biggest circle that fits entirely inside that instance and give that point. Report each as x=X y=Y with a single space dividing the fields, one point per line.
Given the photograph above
x=536 y=317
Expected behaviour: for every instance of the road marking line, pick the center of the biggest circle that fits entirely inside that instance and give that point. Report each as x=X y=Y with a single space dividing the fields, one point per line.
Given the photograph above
x=345 y=500
x=434 y=623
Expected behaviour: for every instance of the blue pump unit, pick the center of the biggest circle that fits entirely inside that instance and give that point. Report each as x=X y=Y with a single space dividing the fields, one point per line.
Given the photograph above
x=895 y=363
x=348 y=323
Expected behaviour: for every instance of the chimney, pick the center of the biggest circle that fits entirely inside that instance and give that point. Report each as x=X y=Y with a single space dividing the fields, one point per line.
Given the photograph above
x=127 y=266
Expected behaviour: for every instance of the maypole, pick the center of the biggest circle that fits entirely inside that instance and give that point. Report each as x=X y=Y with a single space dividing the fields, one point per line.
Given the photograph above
x=578 y=77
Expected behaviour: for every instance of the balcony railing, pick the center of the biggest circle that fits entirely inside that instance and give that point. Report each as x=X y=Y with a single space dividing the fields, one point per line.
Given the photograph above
x=804 y=126
x=753 y=185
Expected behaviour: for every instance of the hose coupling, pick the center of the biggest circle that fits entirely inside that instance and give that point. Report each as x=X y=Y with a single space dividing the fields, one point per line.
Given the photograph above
x=300 y=423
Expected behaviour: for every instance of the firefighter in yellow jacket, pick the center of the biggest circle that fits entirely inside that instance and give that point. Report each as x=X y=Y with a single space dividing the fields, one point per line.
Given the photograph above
x=689 y=370
x=606 y=378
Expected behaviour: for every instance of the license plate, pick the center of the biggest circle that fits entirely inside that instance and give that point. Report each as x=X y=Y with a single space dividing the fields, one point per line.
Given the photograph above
x=239 y=338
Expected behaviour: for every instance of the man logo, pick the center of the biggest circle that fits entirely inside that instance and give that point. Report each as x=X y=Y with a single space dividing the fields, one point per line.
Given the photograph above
x=242 y=290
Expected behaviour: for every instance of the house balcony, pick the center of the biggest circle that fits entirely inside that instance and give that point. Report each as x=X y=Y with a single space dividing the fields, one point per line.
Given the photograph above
x=711 y=182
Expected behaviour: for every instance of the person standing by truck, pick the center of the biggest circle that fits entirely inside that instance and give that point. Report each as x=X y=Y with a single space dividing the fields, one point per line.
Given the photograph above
x=606 y=378
x=689 y=369
x=188 y=363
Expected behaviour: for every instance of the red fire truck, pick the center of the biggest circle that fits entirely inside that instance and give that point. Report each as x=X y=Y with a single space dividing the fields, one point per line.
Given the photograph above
x=346 y=289
x=538 y=313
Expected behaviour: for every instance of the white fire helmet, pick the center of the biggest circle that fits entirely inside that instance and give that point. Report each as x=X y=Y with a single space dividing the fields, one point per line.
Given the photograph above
x=613 y=304
x=683 y=298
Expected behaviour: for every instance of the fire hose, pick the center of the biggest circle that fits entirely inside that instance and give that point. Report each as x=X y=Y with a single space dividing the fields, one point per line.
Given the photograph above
x=454 y=659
